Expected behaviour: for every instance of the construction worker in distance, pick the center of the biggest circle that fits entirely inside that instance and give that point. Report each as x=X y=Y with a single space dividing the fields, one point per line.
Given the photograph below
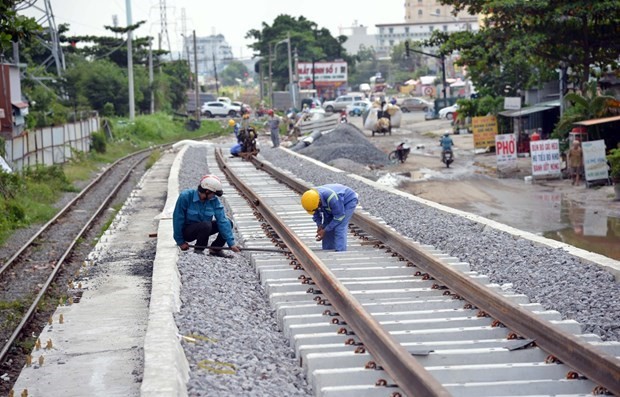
x=237 y=147
x=331 y=207
x=193 y=218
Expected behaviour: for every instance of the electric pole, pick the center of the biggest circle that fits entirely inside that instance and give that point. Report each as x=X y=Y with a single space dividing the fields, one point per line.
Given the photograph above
x=132 y=110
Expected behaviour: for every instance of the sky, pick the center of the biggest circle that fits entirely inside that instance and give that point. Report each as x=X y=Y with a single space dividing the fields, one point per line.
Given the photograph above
x=232 y=19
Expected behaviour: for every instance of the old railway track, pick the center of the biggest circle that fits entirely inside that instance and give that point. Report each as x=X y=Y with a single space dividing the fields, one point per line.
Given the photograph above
x=29 y=274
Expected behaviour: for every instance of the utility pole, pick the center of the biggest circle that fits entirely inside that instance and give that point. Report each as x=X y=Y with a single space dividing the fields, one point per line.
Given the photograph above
x=132 y=109
x=151 y=77
x=291 y=87
x=443 y=68
x=270 y=82
x=196 y=81
x=217 y=85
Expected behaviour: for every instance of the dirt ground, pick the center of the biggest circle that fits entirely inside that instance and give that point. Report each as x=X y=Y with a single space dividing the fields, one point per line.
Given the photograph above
x=473 y=184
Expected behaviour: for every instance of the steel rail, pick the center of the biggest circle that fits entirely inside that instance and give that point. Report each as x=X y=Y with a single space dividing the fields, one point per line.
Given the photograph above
x=593 y=363
x=406 y=371
x=33 y=307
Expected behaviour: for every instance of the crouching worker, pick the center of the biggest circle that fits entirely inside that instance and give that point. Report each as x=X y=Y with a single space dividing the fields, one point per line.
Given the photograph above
x=193 y=218
x=331 y=207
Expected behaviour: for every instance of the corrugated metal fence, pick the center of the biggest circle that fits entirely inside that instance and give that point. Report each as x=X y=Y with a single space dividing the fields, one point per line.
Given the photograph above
x=50 y=145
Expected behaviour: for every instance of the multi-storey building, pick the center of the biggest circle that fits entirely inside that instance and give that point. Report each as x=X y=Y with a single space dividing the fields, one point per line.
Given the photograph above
x=213 y=54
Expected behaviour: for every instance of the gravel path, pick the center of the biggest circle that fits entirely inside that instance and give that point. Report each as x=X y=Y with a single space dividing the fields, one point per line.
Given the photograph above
x=224 y=304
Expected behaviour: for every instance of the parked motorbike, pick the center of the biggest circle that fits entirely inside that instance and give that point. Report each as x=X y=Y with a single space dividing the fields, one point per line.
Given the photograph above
x=343 y=117
x=447 y=158
x=400 y=154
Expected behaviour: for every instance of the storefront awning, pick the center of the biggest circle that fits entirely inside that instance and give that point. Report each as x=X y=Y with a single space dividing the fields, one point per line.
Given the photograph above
x=587 y=123
x=526 y=111
x=20 y=105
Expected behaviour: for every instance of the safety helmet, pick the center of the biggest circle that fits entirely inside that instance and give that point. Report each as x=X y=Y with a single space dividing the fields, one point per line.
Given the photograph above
x=211 y=183
x=270 y=112
x=406 y=146
x=310 y=200
x=446 y=133
x=231 y=122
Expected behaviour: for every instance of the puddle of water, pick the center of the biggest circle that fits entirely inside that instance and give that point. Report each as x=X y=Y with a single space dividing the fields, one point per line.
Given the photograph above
x=588 y=229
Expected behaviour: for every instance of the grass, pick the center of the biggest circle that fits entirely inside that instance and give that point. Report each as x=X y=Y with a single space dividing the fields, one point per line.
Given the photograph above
x=28 y=197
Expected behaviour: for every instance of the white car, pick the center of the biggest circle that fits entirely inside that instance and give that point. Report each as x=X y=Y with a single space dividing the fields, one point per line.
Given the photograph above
x=448 y=112
x=222 y=109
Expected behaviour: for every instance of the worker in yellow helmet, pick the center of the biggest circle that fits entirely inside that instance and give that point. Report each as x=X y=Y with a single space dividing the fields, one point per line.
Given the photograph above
x=331 y=207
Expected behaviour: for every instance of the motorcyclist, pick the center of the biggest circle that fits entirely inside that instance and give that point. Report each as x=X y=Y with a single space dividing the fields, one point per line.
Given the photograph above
x=402 y=151
x=446 y=144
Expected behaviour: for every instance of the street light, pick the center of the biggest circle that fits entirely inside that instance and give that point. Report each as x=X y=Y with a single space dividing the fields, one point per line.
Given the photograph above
x=443 y=70
x=290 y=69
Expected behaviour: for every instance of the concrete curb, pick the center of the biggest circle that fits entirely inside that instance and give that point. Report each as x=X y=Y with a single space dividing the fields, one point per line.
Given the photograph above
x=166 y=370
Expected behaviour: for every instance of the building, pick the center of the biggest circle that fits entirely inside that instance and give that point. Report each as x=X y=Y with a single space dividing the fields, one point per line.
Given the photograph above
x=13 y=109
x=357 y=38
x=213 y=54
x=422 y=17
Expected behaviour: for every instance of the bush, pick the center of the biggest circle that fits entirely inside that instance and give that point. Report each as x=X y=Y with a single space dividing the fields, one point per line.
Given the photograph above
x=614 y=162
x=108 y=110
x=98 y=142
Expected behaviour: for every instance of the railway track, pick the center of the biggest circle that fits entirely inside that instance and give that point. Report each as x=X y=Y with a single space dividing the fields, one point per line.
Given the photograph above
x=391 y=317
x=50 y=252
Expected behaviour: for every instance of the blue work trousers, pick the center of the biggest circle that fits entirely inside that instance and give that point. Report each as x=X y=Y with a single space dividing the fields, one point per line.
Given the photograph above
x=337 y=238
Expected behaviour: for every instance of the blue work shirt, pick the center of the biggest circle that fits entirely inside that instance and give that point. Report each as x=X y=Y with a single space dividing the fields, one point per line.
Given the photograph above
x=446 y=143
x=189 y=209
x=331 y=212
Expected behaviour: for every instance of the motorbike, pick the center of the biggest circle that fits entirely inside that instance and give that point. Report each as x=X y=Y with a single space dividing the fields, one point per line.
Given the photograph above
x=400 y=154
x=447 y=158
x=343 y=117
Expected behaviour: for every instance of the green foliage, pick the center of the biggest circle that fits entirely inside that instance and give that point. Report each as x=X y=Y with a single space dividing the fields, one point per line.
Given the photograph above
x=98 y=142
x=582 y=106
x=108 y=110
x=311 y=43
x=522 y=39
x=614 y=162
x=15 y=27
x=235 y=70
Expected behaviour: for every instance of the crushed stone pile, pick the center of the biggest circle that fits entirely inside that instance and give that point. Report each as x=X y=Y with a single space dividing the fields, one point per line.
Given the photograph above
x=345 y=142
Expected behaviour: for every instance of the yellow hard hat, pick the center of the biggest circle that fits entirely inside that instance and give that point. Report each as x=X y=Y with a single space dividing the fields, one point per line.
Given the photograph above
x=231 y=122
x=310 y=200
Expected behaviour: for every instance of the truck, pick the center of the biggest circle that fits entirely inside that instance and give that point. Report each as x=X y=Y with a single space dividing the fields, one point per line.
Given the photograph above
x=282 y=99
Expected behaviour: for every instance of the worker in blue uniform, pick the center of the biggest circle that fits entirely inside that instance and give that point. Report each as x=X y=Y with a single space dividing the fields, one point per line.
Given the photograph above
x=193 y=218
x=331 y=207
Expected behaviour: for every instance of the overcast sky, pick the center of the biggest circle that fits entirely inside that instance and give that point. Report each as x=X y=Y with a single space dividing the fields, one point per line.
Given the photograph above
x=230 y=18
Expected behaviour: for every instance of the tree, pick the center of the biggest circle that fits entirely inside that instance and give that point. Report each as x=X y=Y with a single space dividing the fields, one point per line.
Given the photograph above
x=583 y=106
x=540 y=34
x=311 y=43
x=13 y=27
x=234 y=72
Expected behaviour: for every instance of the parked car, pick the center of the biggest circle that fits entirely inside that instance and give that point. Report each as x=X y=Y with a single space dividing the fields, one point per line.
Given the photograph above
x=358 y=108
x=410 y=104
x=222 y=109
x=243 y=107
x=448 y=112
x=341 y=102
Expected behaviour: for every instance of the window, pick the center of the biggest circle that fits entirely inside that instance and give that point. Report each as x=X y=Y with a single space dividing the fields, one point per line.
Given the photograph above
x=438 y=12
x=445 y=28
x=391 y=30
x=431 y=28
x=407 y=29
x=419 y=13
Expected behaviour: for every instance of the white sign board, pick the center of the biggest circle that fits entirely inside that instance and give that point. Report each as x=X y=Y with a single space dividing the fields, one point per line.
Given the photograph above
x=512 y=103
x=506 y=151
x=546 y=159
x=323 y=71
x=2 y=113
x=594 y=161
